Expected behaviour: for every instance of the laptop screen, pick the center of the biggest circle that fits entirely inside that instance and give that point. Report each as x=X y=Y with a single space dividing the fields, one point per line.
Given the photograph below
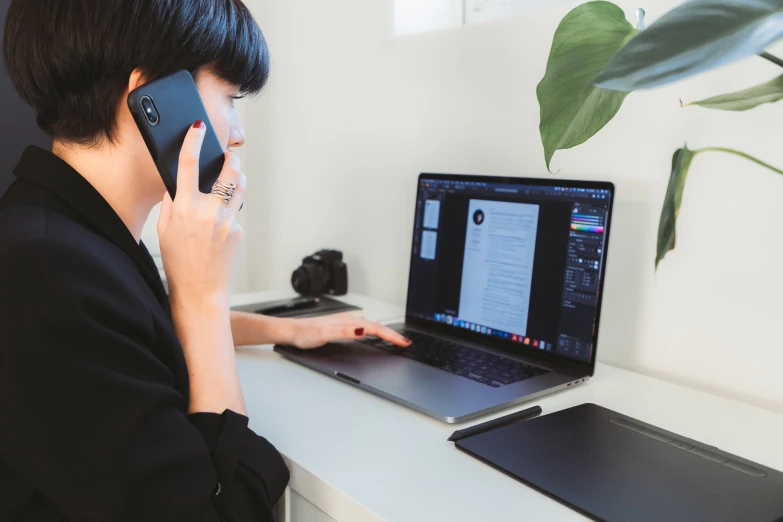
x=518 y=260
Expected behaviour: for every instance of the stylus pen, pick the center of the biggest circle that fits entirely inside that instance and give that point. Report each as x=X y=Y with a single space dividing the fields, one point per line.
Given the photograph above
x=500 y=422
x=298 y=304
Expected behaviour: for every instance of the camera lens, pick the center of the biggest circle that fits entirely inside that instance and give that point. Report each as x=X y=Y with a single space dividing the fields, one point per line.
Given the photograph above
x=149 y=110
x=310 y=279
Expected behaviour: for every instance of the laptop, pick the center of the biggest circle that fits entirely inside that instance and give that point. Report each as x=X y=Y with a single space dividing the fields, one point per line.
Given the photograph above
x=504 y=297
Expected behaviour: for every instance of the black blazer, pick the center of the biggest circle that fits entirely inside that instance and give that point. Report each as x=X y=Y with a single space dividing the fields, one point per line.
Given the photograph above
x=93 y=381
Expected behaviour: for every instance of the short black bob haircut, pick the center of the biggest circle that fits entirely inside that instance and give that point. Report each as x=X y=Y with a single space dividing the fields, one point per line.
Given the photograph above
x=71 y=59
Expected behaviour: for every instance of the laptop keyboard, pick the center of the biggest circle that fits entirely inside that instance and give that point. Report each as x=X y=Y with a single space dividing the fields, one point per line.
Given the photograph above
x=486 y=368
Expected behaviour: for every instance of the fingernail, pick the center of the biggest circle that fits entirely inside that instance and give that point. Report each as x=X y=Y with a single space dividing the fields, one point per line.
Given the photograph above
x=199 y=124
x=359 y=332
x=407 y=341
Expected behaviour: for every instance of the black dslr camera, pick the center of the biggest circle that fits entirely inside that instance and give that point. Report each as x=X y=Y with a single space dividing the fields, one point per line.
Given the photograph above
x=321 y=273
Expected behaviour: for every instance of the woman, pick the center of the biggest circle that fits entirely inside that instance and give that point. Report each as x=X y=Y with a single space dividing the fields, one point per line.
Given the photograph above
x=118 y=402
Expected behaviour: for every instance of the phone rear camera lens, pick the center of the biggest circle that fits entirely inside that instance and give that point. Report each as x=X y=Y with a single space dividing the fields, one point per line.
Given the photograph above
x=149 y=110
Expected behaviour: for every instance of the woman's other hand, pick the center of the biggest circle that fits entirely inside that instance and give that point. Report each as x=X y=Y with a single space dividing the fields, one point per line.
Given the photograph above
x=199 y=234
x=318 y=331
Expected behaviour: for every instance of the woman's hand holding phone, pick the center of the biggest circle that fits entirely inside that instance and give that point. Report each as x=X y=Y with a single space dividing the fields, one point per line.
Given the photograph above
x=199 y=242
x=199 y=234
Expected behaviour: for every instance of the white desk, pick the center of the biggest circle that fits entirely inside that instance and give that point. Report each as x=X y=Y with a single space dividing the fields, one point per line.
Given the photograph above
x=357 y=457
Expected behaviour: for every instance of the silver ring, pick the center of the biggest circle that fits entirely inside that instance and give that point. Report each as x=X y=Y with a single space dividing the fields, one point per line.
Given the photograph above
x=224 y=191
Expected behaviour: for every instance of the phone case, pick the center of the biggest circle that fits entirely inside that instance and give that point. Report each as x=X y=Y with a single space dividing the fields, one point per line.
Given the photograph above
x=178 y=105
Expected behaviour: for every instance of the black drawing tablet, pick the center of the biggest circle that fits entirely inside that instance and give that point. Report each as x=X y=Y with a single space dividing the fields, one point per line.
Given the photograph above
x=611 y=467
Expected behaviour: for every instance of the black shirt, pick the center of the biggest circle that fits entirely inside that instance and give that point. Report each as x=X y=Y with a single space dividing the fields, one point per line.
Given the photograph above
x=93 y=381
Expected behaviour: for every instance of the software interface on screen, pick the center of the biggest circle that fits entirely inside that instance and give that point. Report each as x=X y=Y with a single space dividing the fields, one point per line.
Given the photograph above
x=518 y=262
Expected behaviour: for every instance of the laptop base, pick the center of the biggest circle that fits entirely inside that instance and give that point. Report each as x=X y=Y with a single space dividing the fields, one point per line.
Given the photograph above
x=434 y=392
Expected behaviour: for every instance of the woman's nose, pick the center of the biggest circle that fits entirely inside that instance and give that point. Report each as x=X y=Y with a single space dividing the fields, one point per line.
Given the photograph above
x=236 y=137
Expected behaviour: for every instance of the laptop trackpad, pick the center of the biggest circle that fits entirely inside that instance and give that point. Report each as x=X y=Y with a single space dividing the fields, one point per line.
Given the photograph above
x=363 y=363
x=395 y=375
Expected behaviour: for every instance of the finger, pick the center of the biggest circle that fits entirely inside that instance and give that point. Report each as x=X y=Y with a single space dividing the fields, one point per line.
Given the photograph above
x=346 y=332
x=386 y=333
x=239 y=195
x=188 y=168
x=165 y=214
x=230 y=173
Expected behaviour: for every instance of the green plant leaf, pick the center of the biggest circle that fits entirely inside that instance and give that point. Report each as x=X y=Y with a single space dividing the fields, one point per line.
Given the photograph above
x=681 y=164
x=745 y=99
x=572 y=108
x=667 y=228
x=692 y=38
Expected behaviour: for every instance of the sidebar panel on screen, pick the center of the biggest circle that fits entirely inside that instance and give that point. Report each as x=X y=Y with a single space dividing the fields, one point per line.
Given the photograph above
x=582 y=276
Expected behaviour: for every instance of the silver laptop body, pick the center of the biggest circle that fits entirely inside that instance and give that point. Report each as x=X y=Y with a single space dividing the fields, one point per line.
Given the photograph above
x=504 y=297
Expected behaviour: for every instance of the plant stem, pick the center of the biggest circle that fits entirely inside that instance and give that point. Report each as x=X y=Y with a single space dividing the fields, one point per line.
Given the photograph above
x=772 y=58
x=740 y=154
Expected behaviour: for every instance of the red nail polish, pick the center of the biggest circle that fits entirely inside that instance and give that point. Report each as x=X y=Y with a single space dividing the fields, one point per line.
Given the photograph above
x=198 y=125
x=359 y=332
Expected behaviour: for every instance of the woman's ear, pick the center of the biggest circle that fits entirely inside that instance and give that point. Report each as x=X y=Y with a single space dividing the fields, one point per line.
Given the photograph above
x=137 y=79
x=125 y=124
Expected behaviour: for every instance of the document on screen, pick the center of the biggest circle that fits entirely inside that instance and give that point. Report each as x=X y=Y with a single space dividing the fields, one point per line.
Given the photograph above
x=431 y=213
x=429 y=244
x=497 y=272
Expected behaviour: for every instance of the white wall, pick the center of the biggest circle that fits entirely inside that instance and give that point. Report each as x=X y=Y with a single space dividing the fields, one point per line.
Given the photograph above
x=418 y=16
x=352 y=115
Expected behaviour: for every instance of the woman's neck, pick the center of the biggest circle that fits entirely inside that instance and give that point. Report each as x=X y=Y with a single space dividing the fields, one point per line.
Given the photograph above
x=115 y=173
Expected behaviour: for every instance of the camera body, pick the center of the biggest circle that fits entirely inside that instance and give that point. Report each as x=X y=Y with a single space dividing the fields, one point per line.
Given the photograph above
x=321 y=273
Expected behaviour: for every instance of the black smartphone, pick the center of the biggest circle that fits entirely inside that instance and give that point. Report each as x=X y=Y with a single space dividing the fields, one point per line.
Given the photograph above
x=164 y=110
